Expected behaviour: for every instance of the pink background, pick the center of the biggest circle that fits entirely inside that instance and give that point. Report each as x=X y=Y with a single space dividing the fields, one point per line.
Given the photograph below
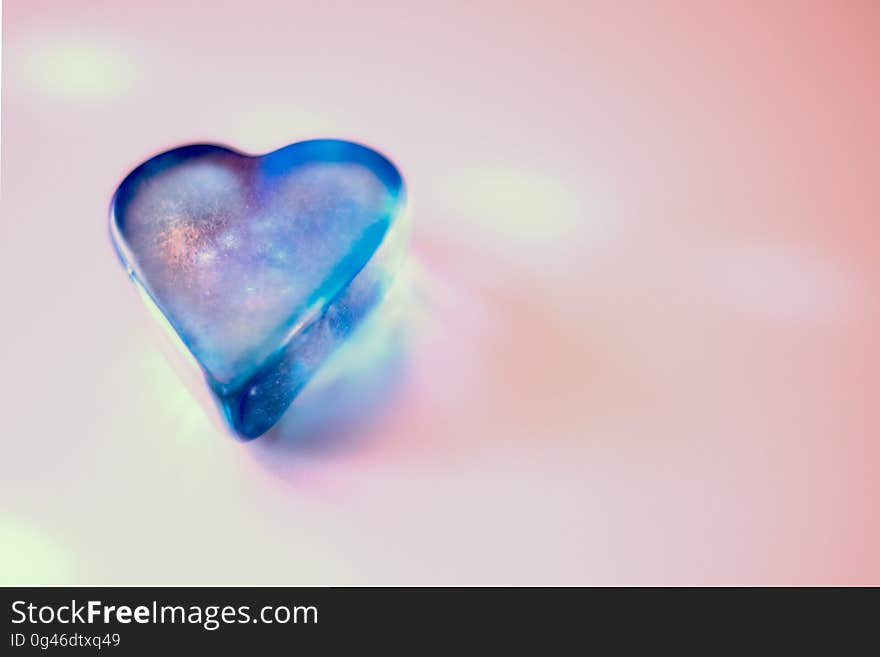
x=645 y=333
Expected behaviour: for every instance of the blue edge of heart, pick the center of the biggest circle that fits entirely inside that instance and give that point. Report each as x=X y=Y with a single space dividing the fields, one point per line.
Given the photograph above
x=254 y=406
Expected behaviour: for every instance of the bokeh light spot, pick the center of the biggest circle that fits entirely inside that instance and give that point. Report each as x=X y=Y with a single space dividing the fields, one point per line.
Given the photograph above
x=79 y=71
x=28 y=558
x=519 y=205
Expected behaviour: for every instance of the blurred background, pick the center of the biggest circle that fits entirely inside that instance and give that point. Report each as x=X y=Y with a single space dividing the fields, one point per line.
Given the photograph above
x=643 y=333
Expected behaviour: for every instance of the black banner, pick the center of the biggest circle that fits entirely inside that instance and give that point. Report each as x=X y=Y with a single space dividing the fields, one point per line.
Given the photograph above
x=147 y=620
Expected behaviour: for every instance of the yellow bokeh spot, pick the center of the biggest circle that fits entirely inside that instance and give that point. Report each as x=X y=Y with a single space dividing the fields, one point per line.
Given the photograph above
x=519 y=205
x=79 y=71
x=28 y=558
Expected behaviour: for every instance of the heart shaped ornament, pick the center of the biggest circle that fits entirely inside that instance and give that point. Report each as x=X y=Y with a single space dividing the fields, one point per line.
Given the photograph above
x=262 y=265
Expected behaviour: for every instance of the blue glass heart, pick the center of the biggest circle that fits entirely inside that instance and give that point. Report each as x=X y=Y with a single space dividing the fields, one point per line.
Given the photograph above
x=263 y=265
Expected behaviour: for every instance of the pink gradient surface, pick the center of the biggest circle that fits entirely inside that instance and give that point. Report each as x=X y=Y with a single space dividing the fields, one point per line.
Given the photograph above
x=644 y=336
